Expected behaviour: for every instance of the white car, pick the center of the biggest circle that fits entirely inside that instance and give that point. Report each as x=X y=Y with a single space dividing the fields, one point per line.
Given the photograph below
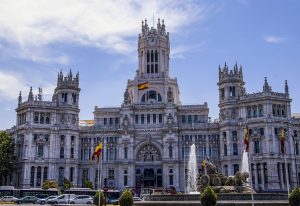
x=44 y=201
x=82 y=199
x=8 y=199
x=62 y=199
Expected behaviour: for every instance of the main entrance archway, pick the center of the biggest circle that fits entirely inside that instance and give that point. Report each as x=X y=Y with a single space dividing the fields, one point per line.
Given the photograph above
x=148 y=167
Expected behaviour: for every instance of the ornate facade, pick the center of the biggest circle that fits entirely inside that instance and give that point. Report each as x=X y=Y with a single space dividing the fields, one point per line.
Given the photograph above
x=147 y=139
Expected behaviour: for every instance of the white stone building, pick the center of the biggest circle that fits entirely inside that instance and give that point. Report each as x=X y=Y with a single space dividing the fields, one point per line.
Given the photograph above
x=148 y=136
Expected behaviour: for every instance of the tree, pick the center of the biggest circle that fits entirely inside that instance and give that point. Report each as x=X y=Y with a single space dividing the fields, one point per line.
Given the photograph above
x=294 y=197
x=6 y=156
x=126 y=198
x=208 y=197
x=96 y=198
x=88 y=184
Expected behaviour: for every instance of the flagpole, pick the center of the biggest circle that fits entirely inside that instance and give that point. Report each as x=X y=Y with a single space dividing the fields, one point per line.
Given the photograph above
x=99 y=183
x=250 y=175
x=287 y=176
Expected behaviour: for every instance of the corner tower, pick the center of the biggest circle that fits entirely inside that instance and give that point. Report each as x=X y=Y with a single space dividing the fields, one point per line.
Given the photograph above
x=67 y=90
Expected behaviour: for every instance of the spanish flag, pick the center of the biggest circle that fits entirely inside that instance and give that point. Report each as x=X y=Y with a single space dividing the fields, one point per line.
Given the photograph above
x=143 y=86
x=282 y=143
x=97 y=152
x=246 y=140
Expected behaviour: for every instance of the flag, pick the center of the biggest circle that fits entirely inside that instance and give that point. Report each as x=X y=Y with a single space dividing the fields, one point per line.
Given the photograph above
x=282 y=139
x=143 y=86
x=246 y=140
x=97 y=152
x=203 y=164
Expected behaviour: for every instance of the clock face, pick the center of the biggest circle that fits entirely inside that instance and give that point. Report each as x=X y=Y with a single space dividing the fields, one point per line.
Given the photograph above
x=151 y=41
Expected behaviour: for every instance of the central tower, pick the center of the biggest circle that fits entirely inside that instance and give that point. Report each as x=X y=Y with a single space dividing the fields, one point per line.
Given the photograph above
x=153 y=51
x=152 y=83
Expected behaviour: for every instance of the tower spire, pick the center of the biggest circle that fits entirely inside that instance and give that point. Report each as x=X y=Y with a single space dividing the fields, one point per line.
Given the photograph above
x=286 y=87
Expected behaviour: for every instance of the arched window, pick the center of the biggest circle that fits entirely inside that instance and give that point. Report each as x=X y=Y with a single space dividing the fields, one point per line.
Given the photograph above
x=32 y=171
x=60 y=176
x=45 y=176
x=225 y=150
x=235 y=148
x=170 y=151
x=38 y=176
x=235 y=168
x=226 y=170
x=256 y=146
x=171 y=177
x=249 y=113
x=36 y=118
x=47 y=118
x=260 y=111
x=151 y=96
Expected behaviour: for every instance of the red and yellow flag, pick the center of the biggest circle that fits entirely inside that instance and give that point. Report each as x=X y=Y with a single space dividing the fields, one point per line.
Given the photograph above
x=282 y=143
x=246 y=140
x=97 y=152
x=143 y=86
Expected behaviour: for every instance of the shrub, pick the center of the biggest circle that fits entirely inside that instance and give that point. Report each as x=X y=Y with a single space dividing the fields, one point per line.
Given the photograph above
x=126 y=198
x=294 y=197
x=47 y=184
x=208 y=197
x=88 y=184
x=96 y=198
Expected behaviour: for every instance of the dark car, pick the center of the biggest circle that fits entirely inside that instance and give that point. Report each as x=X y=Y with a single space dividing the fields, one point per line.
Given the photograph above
x=27 y=199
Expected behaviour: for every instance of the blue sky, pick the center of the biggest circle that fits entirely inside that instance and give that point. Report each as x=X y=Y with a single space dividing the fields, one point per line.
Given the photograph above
x=99 y=39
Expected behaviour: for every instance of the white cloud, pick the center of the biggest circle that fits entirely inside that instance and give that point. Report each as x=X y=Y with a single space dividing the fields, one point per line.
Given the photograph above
x=274 y=39
x=30 y=26
x=11 y=84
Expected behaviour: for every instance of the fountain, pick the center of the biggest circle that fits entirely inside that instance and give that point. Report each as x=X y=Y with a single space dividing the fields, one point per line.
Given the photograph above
x=192 y=171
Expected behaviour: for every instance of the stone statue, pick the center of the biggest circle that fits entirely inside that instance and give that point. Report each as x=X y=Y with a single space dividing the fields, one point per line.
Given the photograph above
x=127 y=99
x=170 y=95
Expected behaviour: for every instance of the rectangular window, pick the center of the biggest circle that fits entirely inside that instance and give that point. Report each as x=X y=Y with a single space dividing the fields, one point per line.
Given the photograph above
x=71 y=173
x=40 y=150
x=110 y=121
x=183 y=120
x=61 y=153
x=105 y=121
x=148 y=118
x=125 y=180
x=195 y=118
x=117 y=121
x=262 y=131
x=189 y=119
x=160 y=118
x=171 y=179
x=142 y=119
x=72 y=153
x=125 y=152
x=154 y=118
x=136 y=117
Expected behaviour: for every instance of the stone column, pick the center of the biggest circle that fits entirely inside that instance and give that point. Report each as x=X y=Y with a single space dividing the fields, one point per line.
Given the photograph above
x=35 y=176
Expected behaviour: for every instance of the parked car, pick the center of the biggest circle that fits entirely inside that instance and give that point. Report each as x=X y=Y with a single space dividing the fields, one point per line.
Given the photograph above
x=8 y=199
x=45 y=200
x=27 y=199
x=62 y=199
x=81 y=199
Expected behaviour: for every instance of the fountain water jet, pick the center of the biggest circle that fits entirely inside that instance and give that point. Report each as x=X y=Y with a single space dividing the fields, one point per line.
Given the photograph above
x=192 y=171
x=245 y=162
